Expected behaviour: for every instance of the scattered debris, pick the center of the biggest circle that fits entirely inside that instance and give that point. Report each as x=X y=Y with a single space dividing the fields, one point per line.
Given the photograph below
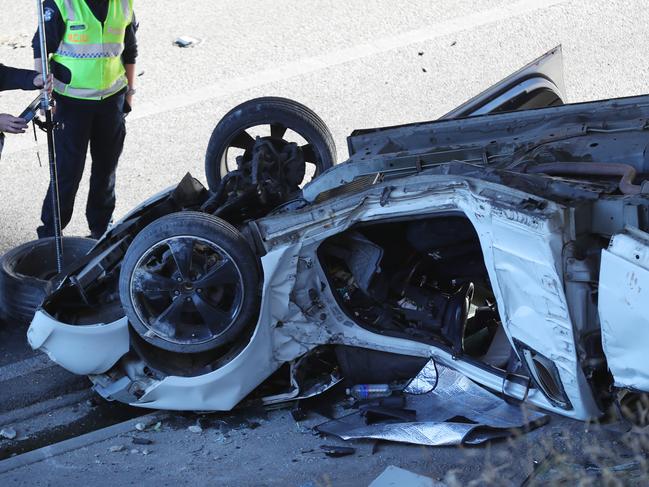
x=421 y=53
x=146 y=451
x=337 y=451
x=378 y=414
x=369 y=391
x=299 y=414
x=116 y=448
x=157 y=426
x=135 y=451
x=187 y=41
x=556 y=469
x=456 y=412
x=393 y=476
x=8 y=433
x=424 y=70
x=453 y=43
x=310 y=375
x=137 y=440
x=195 y=429
x=140 y=426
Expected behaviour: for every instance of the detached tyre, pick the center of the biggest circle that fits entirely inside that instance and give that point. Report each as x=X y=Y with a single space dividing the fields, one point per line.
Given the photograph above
x=278 y=120
x=27 y=274
x=189 y=283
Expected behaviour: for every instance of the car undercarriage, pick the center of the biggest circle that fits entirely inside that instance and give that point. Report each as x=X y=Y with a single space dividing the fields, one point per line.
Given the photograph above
x=506 y=241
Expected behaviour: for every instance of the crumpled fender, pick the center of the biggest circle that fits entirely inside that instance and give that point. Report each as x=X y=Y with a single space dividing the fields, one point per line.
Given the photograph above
x=81 y=349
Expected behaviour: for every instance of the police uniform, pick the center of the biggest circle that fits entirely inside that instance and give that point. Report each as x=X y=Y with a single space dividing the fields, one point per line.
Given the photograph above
x=90 y=42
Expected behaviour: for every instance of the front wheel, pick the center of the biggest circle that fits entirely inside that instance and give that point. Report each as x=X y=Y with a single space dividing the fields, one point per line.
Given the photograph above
x=189 y=283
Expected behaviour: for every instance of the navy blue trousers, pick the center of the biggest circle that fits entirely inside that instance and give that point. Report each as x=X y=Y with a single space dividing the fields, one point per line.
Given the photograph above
x=100 y=125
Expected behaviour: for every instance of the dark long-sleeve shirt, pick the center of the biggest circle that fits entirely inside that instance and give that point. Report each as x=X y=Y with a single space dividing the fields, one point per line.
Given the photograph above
x=16 y=79
x=55 y=30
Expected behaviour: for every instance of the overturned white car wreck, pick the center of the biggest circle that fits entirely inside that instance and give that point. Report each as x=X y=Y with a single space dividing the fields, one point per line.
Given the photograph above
x=506 y=241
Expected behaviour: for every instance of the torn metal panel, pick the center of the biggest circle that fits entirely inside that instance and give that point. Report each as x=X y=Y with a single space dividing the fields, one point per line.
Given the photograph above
x=623 y=301
x=526 y=240
x=425 y=381
x=455 y=396
x=309 y=376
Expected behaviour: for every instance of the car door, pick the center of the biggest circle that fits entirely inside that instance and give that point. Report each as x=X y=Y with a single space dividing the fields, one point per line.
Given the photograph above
x=539 y=84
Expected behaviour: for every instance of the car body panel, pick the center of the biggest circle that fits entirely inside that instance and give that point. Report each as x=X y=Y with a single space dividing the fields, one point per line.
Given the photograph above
x=96 y=347
x=623 y=293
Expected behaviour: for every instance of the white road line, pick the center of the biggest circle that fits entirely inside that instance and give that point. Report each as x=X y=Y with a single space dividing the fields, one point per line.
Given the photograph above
x=317 y=63
x=29 y=366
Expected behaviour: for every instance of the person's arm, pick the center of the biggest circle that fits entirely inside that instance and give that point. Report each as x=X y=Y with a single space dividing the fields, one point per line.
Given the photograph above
x=129 y=56
x=19 y=79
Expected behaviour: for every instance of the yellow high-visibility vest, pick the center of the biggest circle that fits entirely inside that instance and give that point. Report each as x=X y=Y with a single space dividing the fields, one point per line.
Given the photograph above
x=92 y=51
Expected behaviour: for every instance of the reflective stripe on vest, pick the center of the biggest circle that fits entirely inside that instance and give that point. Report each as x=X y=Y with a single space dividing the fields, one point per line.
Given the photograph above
x=90 y=51
x=69 y=10
x=126 y=8
x=89 y=94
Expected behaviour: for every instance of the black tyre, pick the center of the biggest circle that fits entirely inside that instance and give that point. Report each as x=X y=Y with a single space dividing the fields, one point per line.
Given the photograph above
x=282 y=119
x=189 y=283
x=28 y=274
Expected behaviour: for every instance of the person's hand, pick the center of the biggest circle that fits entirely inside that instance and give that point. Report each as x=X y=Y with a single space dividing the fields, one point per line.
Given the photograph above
x=12 y=125
x=38 y=82
x=129 y=100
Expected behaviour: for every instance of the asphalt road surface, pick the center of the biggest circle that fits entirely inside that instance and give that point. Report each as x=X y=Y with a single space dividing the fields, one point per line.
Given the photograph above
x=358 y=65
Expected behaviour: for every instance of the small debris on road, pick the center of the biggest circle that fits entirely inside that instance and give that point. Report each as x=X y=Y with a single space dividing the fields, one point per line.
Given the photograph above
x=8 y=433
x=116 y=448
x=146 y=451
x=135 y=451
x=195 y=429
x=140 y=426
x=141 y=441
x=397 y=476
x=424 y=70
x=421 y=53
x=337 y=451
x=453 y=43
x=187 y=41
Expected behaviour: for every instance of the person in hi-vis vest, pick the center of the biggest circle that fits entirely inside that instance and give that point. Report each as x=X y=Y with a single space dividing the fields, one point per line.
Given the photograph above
x=92 y=49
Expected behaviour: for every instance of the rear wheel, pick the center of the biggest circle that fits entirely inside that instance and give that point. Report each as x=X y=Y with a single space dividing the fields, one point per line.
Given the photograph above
x=189 y=283
x=280 y=121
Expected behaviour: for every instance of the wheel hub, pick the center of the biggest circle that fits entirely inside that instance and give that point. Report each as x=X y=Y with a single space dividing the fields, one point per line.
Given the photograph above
x=186 y=291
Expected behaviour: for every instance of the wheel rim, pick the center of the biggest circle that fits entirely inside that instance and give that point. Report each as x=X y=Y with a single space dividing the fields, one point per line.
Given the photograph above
x=186 y=291
x=243 y=142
